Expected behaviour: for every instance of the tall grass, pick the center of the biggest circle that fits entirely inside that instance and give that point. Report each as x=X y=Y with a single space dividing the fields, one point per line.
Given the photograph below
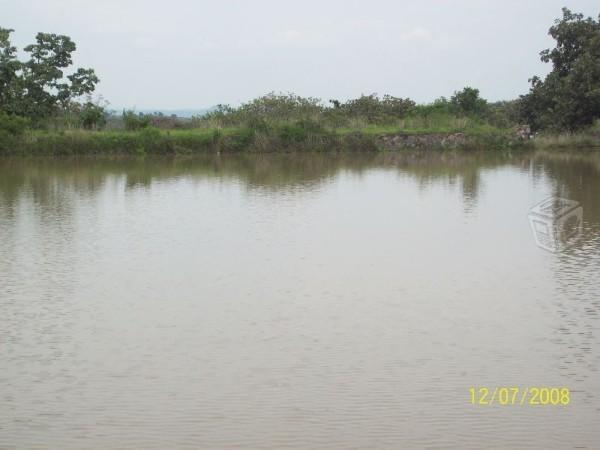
x=588 y=138
x=292 y=136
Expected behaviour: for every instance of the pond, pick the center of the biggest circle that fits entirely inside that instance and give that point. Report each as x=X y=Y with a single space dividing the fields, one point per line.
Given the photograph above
x=302 y=301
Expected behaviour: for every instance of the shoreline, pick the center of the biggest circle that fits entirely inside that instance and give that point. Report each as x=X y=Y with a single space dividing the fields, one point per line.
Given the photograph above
x=152 y=141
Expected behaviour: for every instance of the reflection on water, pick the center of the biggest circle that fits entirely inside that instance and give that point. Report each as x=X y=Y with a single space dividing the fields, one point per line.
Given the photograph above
x=294 y=301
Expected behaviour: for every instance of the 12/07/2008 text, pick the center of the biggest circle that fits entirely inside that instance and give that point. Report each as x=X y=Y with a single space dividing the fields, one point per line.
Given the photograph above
x=513 y=395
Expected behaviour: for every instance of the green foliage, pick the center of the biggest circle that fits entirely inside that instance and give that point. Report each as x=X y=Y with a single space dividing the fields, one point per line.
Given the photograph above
x=282 y=114
x=150 y=135
x=241 y=139
x=11 y=128
x=334 y=117
x=264 y=111
x=281 y=107
x=467 y=102
x=12 y=125
x=440 y=106
x=135 y=121
x=92 y=116
x=569 y=97
x=9 y=72
x=504 y=114
x=374 y=109
x=37 y=87
x=150 y=140
x=258 y=124
x=292 y=133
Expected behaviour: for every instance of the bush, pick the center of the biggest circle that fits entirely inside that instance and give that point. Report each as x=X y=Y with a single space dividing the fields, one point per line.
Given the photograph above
x=258 y=124
x=374 y=109
x=261 y=113
x=290 y=133
x=11 y=127
x=504 y=114
x=468 y=102
x=133 y=121
x=151 y=140
x=241 y=139
x=278 y=107
x=92 y=116
x=299 y=131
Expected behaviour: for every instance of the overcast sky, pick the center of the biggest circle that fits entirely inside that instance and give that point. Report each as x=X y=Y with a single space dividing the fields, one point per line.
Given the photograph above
x=195 y=53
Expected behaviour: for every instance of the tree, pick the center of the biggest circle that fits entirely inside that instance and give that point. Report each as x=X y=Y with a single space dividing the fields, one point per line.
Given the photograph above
x=468 y=102
x=134 y=122
x=92 y=115
x=37 y=88
x=9 y=69
x=569 y=97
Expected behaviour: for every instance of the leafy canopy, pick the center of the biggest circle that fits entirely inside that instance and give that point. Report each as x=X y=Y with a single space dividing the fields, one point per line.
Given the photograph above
x=37 y=87
x=569 y=97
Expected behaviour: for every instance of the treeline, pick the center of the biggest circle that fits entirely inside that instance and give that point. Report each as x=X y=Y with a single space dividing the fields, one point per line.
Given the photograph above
x=35 y=93
x=464 y=107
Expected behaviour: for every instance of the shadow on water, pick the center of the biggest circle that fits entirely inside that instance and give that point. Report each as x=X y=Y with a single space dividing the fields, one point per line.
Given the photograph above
x=44 y=178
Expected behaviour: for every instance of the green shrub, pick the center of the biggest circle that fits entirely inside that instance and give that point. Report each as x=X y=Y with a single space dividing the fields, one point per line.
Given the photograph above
x=92 y=116
x=151 y=141
x=12 y=125
x=11 y=128
x=468 y=103
x=258 y=124
x=292 y=133
x=299 y=131
x=374 y=109
x=133 y=121
x=241 y=139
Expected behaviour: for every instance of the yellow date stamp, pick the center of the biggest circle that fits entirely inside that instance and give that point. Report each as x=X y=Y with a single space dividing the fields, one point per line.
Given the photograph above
x=520 y=396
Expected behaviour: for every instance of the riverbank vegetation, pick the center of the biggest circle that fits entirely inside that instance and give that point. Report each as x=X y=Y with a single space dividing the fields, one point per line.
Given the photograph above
x=44 y=111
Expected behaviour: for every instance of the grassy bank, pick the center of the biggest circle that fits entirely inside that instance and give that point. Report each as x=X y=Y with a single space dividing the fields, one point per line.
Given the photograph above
x=298 y=136
x=287 y=122
x=583 y=141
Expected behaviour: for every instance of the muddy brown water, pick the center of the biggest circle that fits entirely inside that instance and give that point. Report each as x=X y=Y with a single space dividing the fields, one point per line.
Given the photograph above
x=295 y=301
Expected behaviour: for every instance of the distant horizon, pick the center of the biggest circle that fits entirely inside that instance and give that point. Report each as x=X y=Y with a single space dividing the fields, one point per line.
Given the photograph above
x=187 y=112
x=191 y=111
